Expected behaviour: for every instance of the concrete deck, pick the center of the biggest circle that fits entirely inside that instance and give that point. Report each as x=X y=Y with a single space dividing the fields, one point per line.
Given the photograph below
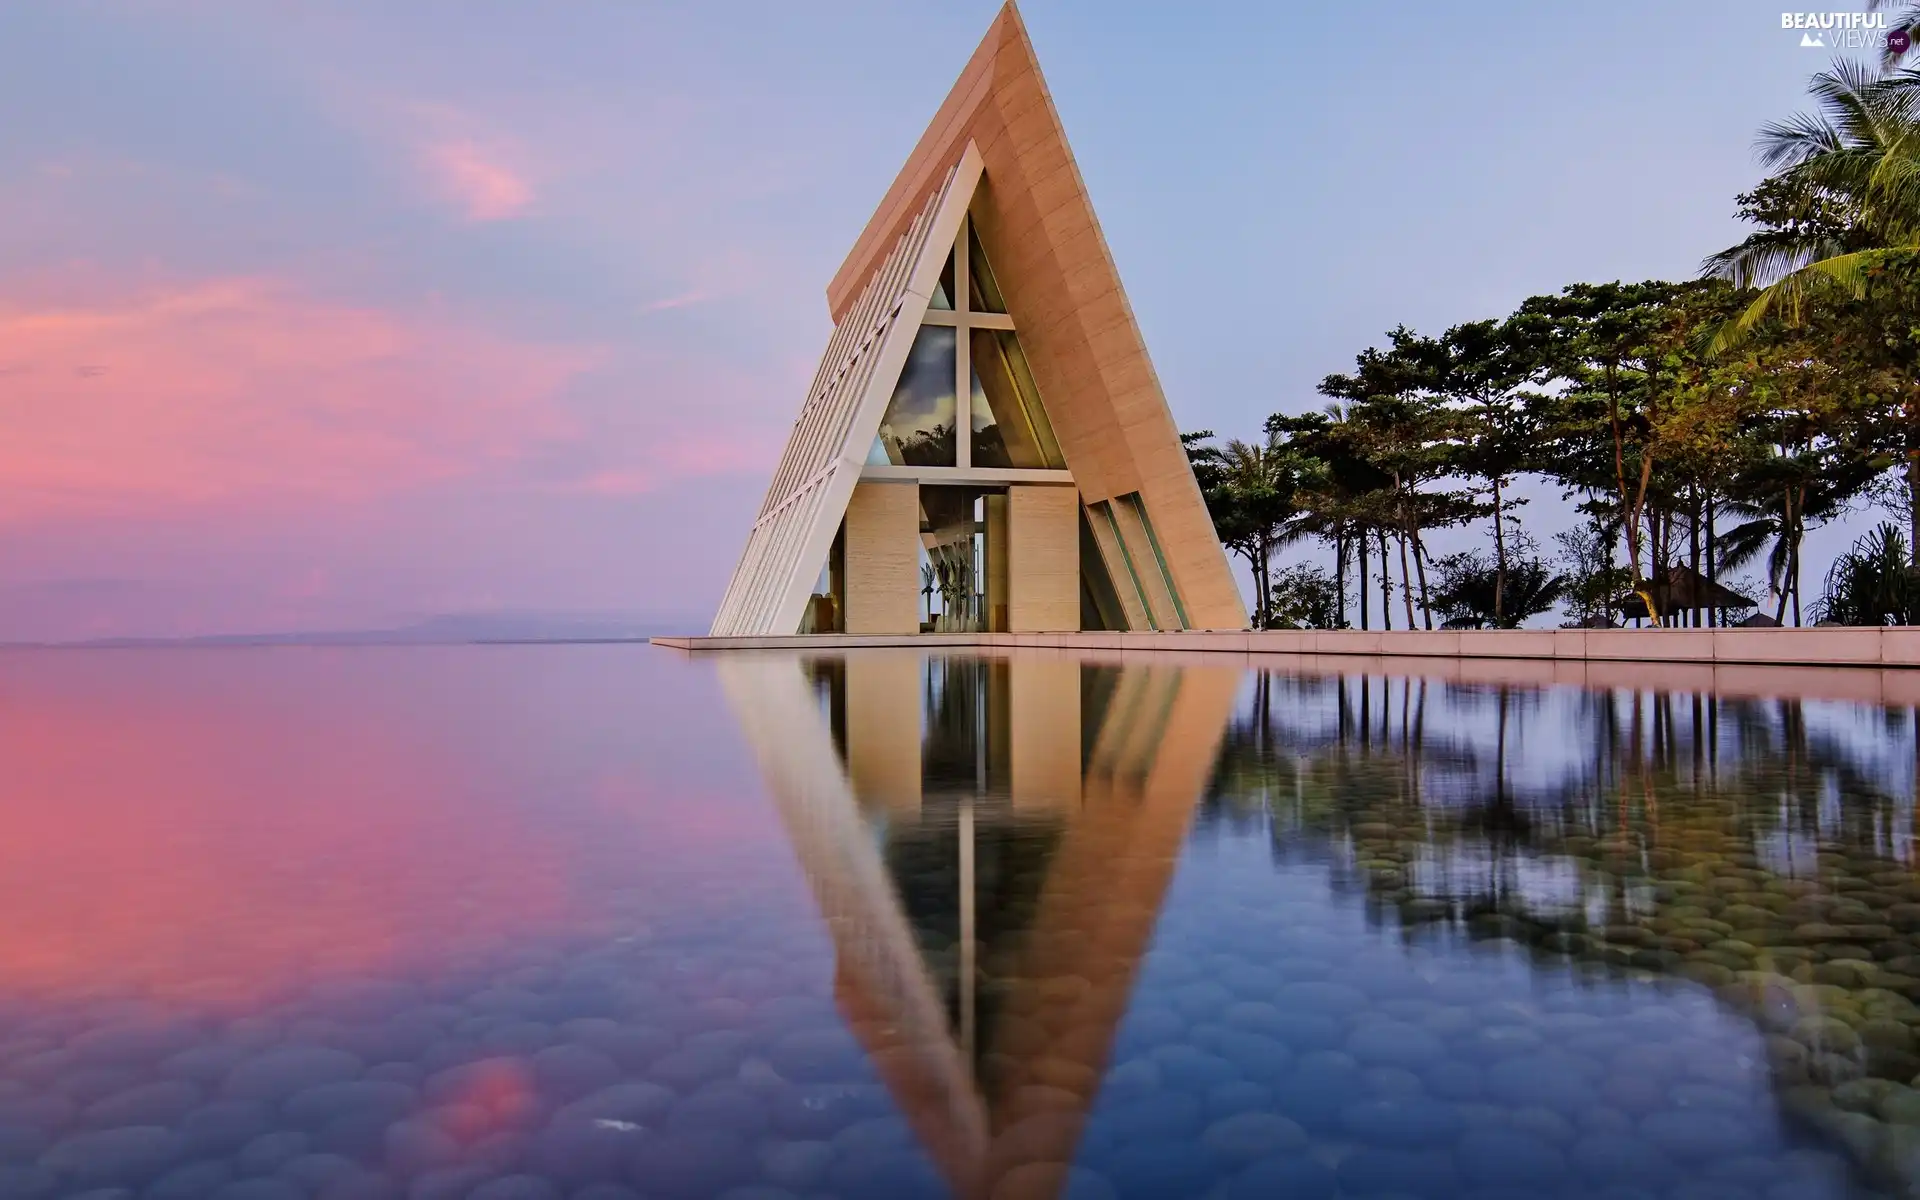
x=1875 y=666
x=1827 y=646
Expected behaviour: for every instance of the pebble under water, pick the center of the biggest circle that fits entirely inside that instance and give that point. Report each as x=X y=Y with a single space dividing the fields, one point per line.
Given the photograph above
x=596 y=922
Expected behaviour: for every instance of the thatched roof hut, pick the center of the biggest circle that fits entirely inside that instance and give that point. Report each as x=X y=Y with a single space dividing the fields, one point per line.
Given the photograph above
x=1684 y=590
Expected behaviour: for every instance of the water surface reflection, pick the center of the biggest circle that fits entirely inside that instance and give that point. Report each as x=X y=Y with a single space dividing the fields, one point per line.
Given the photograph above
x=597 y=922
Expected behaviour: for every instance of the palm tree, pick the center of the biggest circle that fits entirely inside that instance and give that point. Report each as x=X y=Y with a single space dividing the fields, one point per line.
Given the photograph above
x=1851 y=171
x=1841 y=214
x=1251 y=490
x=1776 y=523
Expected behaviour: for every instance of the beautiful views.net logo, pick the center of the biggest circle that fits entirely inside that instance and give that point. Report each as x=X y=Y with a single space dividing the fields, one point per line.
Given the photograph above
x=1846 y=31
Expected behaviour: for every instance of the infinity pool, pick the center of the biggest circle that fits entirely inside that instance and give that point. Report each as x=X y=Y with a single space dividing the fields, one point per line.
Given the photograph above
x=532 y=922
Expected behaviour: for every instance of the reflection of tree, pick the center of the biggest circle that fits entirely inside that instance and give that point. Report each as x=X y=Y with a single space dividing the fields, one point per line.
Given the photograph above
x=1435 y=798
x=1727 y=841
x=930 y=447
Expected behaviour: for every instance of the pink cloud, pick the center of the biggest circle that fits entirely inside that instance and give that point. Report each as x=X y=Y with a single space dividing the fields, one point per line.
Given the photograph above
x=474 y=178
x=683 y=300
x=238 y=392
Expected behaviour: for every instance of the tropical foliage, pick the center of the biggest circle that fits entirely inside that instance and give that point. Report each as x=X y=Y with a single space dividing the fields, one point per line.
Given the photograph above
x=1873 y=583
x=1699 y=427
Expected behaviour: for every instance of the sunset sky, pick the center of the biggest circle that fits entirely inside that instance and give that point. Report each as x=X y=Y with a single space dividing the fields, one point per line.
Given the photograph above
x=345 y=315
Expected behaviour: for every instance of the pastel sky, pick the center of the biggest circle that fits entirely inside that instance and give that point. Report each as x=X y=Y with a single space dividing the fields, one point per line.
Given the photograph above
x=344 y=315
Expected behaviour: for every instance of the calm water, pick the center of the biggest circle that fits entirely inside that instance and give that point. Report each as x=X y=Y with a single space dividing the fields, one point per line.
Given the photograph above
x=522 y=923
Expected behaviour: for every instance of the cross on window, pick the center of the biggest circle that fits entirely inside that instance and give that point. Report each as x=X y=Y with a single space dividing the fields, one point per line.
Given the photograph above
x=972 y=302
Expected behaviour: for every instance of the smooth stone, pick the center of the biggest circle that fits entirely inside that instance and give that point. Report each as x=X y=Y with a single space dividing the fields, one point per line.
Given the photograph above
x=1294 y=1176
x=1455 y=1081
x=1244 y=1137
x=1825 y=1035
x=634 y=1047
x=821 y=1110
x=1201 y=999
x=1315 y=1093
x=1552 y=1081
x=135 y=1044
x=1149 y=1170
x=1251 y=979
x=480 y=1077
x=127 y=1155
x=23 y=1182
x=567 y=1072
x=267 y=1153
x=1405 y=1123
x=189 y=1181
x=361 y=1185
x=1135 y=1077
x=1256 y=1056
x=419 y=1144
x=1161 y=1115
x=1193 y=1070
x=405 y=1073
x=1496 y=1042
x=447 y=1183
x=817 y=1056
x=1543 y=1123
x=1508 y=1157
x=1373 y=1171
x=89 y=1084
x=356 y=1135
x=145 y=1104
x=314 y=1107
x=515 y=1187
x=720 y=1107
x=1711 y=1095
x=517 y=1037
x=259 y=1189
x=278 y=1073
x=1900 y=1107
x=1229 y=1099
x=1862 y=1095
x=1752 y=1170
x=1711 y=1189
x=1690 y=1134
x=690 y=1166
x=1320 y=996
x=1619 y=1156
x=584 y=1150
x=21 y=1143
x=1394 y=1044
x=886 y=1175
x=1145 y=1027
x=311 y=1172
x=605 y=1191
x=1391 y=1083
x=637 y=1103
x=796 y=1165
x=1052 y=1181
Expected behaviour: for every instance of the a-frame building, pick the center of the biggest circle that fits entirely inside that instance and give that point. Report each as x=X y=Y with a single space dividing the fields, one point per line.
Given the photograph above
x=985 y=446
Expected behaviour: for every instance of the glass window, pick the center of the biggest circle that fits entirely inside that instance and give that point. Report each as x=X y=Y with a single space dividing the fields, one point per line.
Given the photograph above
x=918 y=430
x=983 y=294
x=1010 y=428
x=943 y=291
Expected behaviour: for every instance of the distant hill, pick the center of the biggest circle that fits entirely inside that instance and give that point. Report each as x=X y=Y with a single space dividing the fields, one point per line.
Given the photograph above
x=444 y=629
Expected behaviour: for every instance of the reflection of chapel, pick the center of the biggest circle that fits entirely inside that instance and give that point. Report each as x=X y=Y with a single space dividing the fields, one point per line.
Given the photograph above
x=985 y=446
x=989 y=843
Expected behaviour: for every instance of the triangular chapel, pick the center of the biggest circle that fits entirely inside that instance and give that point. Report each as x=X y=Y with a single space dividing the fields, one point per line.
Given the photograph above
x=985 y=446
